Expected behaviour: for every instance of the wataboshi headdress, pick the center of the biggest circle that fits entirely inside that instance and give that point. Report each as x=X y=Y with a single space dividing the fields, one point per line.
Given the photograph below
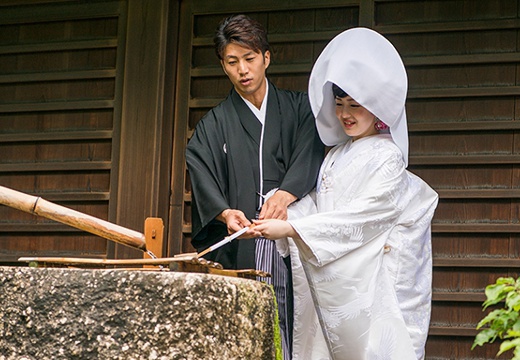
x=369 y=69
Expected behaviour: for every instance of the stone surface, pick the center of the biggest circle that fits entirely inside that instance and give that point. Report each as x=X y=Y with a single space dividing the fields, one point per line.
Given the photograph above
x=52 y=313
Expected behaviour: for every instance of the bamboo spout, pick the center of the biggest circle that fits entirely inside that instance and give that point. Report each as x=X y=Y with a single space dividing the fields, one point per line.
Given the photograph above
x=38 y=206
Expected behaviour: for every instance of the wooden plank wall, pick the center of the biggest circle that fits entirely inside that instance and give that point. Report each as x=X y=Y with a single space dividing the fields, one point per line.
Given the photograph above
x=462 y=59
x=85 y=118
x=59 y=95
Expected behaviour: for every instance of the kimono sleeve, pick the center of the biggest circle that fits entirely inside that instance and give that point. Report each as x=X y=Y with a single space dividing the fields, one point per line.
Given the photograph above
x=205 y=158
x=360 y=215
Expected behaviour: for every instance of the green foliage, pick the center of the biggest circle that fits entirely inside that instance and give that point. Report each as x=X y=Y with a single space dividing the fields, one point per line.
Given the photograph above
x=503 y=323
x=277 y=336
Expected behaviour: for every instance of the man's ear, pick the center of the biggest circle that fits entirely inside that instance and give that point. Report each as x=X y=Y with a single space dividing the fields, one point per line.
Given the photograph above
x=267 y=58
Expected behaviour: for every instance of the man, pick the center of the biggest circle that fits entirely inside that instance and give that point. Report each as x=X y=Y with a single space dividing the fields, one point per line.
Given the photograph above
x=259 y=140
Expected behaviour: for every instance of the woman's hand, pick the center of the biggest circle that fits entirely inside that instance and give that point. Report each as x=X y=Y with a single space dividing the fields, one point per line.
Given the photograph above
x=273 y=229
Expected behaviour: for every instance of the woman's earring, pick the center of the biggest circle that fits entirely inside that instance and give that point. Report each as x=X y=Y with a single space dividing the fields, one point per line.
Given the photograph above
x=379 y=125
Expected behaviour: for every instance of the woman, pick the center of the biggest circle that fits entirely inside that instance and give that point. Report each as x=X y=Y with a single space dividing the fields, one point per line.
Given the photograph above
x=365 y=239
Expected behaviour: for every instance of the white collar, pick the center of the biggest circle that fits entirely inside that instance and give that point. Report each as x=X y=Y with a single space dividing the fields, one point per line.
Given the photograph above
x=259 y=113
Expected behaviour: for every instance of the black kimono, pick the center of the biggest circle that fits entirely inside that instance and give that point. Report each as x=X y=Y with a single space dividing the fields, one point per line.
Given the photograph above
x=223 y=163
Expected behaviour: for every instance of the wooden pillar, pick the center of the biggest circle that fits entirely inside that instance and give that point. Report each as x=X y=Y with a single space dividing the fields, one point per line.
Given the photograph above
x=145 y=133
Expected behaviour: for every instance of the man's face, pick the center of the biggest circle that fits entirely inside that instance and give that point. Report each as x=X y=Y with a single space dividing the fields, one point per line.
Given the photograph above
x=245 y=68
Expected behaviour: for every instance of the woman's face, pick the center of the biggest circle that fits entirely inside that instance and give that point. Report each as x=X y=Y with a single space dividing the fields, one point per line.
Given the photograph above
x=357 y=122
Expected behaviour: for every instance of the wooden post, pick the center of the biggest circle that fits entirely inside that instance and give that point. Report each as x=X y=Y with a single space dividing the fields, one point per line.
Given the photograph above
x=153 y=233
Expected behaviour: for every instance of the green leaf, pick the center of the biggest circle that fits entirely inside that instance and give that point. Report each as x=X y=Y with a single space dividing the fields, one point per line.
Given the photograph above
x=506 y=280
x=496 y=293
x=516 y=326
x=508 y=345
x=485 y=336
x=504 y=322
x=491 y=317
x=513 y=300
x=516 y=354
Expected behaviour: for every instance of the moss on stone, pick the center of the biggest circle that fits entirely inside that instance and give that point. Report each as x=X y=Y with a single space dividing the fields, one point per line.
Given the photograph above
x=277 y=337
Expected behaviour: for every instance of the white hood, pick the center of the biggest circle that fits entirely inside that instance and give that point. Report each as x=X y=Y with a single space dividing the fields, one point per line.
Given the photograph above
x=369 y=69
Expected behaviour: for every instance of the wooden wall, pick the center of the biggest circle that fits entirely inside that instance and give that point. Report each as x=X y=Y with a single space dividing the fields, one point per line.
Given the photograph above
x=84 y=94
x=58 y=119
x=462 y=61
x=98 y=100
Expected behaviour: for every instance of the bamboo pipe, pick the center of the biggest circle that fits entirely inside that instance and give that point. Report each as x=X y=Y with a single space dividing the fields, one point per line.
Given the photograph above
x=38 y=206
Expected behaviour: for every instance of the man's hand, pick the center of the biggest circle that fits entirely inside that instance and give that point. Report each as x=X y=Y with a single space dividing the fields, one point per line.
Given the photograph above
x=276 y=206
x=234 y=219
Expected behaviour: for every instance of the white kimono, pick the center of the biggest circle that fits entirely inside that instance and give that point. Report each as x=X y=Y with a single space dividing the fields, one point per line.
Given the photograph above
x=366 y=253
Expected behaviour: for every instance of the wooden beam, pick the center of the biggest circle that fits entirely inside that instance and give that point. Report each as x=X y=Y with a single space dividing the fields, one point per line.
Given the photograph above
x=459 y=296
x=238 y=6
x=452 y=331
x=476 y=262
x=491 y=125
x=74 y=196
x=24 y=107
x=58 y=46
x=13 y=256
x=478 y=193
x=42 y=227
x=56 y=136
x=466 y=59
x=59 y=12
x=450 y=26
x=57 y=76
x=483 y=159
x=484 y=91
x=56 y=166
x=475 y=228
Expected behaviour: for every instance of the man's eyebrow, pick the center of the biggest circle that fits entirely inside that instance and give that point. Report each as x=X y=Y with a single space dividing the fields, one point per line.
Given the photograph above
x=245 y=55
